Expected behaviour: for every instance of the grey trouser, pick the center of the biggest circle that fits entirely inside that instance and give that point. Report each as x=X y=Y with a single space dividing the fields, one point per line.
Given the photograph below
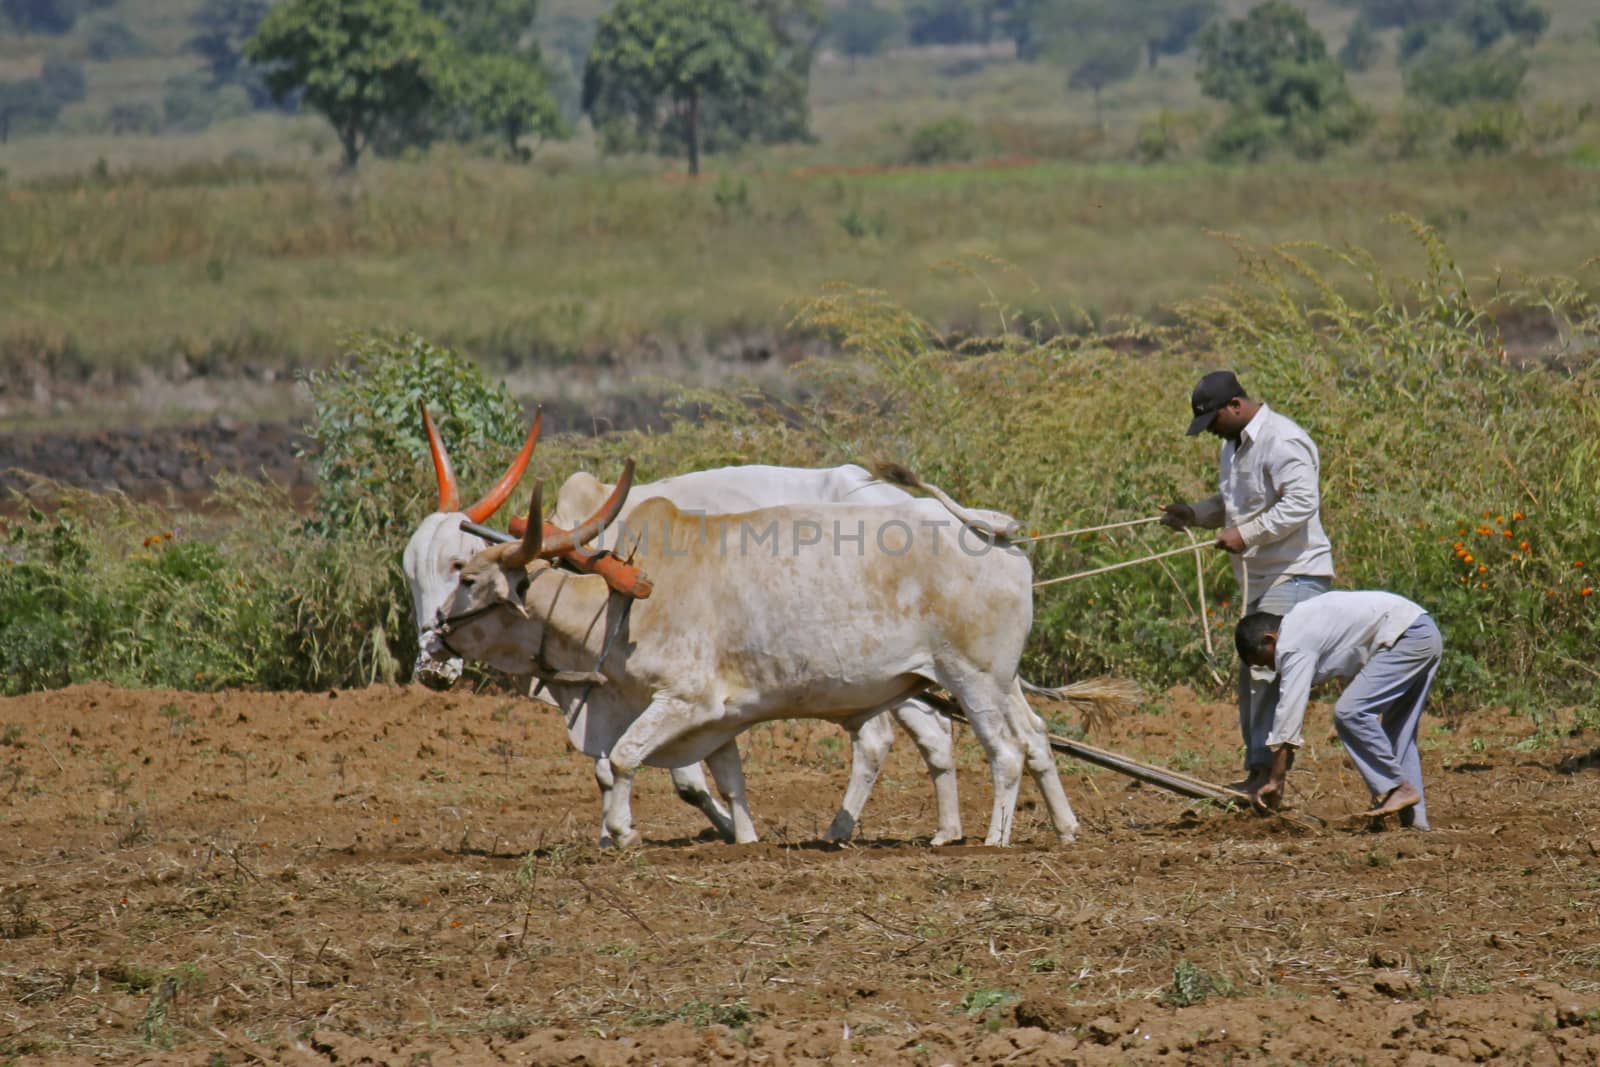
x=1377 y=714
x=1258 y=686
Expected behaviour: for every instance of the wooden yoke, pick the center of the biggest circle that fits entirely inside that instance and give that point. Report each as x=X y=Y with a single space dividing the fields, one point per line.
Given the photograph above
x=621 y=576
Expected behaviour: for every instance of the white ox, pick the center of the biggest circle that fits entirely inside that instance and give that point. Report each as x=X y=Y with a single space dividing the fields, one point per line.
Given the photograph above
x=838 y=624
x=440 y=546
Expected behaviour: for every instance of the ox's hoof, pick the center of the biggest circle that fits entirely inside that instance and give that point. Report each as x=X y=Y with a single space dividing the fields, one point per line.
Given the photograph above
x=943 y=838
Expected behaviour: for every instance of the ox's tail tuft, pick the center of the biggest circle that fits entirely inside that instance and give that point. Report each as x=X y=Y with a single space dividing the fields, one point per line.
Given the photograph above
x=1098 y=700
x=896 y=474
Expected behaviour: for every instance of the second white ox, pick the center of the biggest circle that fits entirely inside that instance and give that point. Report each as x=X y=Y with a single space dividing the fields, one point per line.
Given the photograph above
x=850 y=610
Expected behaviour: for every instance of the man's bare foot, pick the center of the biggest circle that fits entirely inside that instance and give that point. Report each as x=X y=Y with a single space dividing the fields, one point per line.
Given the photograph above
x=1399 y=798
x=1269 y=796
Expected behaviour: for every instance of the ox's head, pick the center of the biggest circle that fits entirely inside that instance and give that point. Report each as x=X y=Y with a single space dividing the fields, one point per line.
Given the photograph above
x=488 y=614
x=439 y=548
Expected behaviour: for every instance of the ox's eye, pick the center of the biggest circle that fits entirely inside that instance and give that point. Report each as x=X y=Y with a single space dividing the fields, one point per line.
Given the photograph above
x=456 y=565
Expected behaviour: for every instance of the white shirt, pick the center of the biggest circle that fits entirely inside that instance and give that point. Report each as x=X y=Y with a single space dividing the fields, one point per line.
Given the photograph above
x=1331 y=636
x=1269 y=491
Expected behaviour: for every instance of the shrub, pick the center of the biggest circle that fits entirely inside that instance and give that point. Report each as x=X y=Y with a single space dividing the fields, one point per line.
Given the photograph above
x=1487 y=130
x=192 y=103
x=950 y=139
x=108 y=37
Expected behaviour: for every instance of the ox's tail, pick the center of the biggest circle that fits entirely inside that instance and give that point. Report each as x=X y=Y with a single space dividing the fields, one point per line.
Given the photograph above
x=994 y=524
x=1098 y=700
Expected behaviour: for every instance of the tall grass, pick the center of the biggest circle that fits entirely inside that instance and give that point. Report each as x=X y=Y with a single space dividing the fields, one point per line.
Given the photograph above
x=1453 y=474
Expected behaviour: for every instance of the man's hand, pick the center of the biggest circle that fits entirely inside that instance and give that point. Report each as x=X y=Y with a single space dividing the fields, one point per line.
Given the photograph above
x=1177 y=516
x=1231 y=540
x=1269 y=795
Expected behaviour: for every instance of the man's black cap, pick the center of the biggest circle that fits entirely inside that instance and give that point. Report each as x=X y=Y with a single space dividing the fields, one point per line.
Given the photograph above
x=1213 y=392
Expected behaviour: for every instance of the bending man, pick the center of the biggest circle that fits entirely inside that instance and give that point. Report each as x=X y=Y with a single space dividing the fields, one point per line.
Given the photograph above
x=1267 y=508
x=1391 y=648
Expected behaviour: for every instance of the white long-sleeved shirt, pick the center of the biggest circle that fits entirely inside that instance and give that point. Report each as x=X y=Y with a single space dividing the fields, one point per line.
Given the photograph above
x=1269 y=490
x=1331 y=636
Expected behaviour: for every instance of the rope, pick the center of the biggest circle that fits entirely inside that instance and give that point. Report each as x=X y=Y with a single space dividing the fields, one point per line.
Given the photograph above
x=1119 y=566
x=1084 y=530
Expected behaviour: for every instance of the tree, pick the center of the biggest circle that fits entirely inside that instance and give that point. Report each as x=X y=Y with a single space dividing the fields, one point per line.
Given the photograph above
x=508 y=97
x=19 y=100
x=1391 y=14
x=780 y=111
x=484 y=27
x=1105 y=59
x=655 y=63
x=358 y=62
x=1361 y=46
x=944 y=21
x=1451 y=71
x=1171 y=26
x=1275 y=71
x=223 y=26
x=41 y=16
x=861 y=28
x=1485 y=22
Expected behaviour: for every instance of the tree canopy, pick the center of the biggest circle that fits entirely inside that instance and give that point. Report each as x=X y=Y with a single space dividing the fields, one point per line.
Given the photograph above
x=655 y=64
x=1275 y=71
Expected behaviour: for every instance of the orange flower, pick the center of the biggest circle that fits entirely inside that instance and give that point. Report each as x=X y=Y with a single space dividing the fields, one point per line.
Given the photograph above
x=1516 y=555
x=1482 y=567
x=454 y=923
x=1486 y=514
x=1585 y=591
x=1500 y=520
x=1483 y=585
x=1551 y=593
x=1523 y=545
x=1516 y=516
x=1459 y=546
x=1467 y=558
x=1505 y=533
x=1577 y=563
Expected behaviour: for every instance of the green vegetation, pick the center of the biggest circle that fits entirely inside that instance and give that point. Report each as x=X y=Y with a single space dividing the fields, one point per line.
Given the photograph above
x=1492 y=533
x=657 y=65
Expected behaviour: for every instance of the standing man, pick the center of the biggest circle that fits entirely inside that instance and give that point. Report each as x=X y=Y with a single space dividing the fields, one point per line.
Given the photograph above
x=1391 y=648
x=1267 y=508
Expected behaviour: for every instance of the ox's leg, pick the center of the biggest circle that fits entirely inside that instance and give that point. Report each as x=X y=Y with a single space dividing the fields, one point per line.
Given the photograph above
x=690 y=782
x=607 y=783
x=931 y=731
x=988 y=709
x=869 y=744
x=728 y=770
x=663 y=720
x=1042 y=765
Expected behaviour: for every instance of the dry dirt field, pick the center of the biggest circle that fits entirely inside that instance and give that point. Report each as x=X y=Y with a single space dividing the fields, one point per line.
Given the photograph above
x=391 y=876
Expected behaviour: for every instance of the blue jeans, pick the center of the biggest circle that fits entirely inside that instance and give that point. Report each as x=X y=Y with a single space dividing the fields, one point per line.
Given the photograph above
x=1377 y=714
x=1258 y=686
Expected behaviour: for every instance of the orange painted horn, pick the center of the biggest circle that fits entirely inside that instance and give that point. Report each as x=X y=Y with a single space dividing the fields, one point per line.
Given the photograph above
x=590 y=528
x=449 y=495
x=496 y=496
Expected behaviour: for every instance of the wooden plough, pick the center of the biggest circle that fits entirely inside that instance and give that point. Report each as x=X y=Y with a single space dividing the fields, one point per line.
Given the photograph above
x=1172 y=781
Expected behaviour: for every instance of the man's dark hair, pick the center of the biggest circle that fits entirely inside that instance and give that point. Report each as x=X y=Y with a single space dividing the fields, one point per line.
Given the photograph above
x=1252 y=631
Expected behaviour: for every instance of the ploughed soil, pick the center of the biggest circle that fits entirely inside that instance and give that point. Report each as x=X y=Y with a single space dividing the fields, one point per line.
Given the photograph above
x=392 y=876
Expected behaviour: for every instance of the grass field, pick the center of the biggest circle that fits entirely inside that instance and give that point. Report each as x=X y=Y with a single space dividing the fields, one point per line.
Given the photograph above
x=524 y=267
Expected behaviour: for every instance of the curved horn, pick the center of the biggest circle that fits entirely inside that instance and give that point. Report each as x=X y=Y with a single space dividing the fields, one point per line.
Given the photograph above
x=590 y=528
x=528 y=549
x=496 y=496
x=449 y=495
